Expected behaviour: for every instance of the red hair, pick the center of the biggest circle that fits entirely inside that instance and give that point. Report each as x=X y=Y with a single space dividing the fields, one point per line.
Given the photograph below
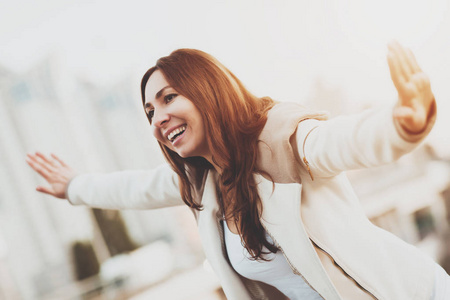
x=233 y=118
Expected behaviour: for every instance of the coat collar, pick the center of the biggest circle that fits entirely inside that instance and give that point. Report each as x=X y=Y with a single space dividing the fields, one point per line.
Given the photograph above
x=211 y=235
x=276 y=148
x=282 y=220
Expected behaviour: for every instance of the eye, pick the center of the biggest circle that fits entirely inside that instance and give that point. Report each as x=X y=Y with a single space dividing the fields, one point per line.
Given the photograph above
x=169 y=97
x=150 y=114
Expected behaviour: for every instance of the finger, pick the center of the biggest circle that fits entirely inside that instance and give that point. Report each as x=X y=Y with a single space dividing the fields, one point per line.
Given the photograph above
x=403 y=112
x=401 y=57
x=35 y=159
x=419 y=81
x=45 y=190
x=31 y=162
x=39 y=169
x=396 y=75
x=45 y=159
x=412 y=61
x=404 y=61
x=44 y=167
x=411 y=120
x=60 y=161
x=43 y=162
x=29 y=158
x=404 y=116
x=32 y=156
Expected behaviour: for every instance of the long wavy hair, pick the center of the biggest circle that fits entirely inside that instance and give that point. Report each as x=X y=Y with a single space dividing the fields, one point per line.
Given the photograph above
x=233 y=119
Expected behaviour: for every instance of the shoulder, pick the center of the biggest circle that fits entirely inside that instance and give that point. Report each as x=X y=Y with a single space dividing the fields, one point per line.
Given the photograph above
x=276 y=152
x=284 y=117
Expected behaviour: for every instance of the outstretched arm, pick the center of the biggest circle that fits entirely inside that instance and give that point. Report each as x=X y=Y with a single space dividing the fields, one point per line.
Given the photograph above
x=135 y=189
x=373 y=137
x=55 y=171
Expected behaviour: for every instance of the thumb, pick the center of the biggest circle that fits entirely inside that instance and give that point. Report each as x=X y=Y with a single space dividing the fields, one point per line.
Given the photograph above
x=403 y=113
x=45 y=190
x=409 y=119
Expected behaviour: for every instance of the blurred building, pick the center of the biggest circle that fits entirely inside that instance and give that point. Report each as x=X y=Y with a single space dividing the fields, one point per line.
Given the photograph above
x=94 y=129
x=408 y=199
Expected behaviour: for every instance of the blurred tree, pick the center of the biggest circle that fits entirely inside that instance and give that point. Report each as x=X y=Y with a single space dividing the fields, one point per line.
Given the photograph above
x=445 y=256
x=114 y=231
x=85 y=260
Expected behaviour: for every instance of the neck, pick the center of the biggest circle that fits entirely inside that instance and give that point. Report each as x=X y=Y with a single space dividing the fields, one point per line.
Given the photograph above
x=211 y=161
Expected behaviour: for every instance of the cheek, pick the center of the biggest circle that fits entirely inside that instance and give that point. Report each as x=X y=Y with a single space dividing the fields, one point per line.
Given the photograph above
x=201 y=124
x=157 y=134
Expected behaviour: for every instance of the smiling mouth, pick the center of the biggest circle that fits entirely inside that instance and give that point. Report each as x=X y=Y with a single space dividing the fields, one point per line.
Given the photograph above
x=176 y=133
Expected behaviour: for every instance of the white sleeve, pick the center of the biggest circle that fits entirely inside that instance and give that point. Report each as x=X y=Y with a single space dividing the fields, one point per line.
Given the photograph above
x=150 y=189
x=368 y=139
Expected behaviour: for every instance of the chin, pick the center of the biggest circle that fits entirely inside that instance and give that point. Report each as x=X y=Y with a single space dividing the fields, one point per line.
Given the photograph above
x=187 y=154
x=183 y=154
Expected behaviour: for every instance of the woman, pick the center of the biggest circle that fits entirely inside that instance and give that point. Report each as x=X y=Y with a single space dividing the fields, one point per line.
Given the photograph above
x=276 y=214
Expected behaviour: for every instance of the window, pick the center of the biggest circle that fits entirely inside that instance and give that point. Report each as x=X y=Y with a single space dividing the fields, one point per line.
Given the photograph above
x=424 y=222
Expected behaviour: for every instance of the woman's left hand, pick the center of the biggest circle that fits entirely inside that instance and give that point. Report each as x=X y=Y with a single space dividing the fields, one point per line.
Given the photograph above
x=415 y=97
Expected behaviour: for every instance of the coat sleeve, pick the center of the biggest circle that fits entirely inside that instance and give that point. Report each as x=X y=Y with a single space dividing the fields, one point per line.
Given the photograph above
x=148 y=189
x=368 y=139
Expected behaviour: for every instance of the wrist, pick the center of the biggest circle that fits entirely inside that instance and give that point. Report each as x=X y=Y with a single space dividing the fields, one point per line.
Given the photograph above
x=416 y=135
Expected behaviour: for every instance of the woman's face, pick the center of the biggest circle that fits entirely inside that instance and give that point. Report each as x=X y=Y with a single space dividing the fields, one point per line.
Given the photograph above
x=175 y=120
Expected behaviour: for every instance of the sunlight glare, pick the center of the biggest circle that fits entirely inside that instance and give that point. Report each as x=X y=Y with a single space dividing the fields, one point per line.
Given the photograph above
x=411 y=21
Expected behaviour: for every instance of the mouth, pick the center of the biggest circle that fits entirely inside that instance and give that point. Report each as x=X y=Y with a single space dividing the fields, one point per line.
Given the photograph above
x=176 y=133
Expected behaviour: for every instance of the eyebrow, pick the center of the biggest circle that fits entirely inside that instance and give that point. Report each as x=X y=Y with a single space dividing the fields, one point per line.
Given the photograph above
x=158 y=94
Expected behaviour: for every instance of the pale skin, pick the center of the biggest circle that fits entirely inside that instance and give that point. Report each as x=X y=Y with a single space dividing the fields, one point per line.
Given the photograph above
x=55 y=171
x=413 y=86
x=415 y=100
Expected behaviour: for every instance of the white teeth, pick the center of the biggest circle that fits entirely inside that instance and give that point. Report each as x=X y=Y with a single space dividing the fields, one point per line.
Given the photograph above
x=175 y=132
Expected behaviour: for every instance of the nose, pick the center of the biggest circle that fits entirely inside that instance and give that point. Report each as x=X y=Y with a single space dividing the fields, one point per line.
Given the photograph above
x=160 y=118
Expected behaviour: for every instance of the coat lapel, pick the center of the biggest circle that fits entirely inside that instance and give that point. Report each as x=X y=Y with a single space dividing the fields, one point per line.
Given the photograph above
x=282 y=219
x=211 y=235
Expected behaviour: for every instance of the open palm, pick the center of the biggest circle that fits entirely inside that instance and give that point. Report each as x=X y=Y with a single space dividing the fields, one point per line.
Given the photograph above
x=415 y=97
x=55 y=171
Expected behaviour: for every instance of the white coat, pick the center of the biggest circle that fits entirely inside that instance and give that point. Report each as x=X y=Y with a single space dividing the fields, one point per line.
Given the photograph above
x=312 y=214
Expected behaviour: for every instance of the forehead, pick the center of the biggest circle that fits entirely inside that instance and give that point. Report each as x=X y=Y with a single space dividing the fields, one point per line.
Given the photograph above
x=155 y=83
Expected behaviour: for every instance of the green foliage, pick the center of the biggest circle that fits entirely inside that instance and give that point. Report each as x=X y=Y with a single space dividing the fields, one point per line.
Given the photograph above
x=85 y=261
x=114 y=231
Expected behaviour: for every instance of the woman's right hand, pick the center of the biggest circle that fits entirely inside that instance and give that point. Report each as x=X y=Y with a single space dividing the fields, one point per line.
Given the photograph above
x=55 y=171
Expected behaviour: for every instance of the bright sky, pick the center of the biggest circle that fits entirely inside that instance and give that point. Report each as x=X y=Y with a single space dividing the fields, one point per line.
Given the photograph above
x=277 y=48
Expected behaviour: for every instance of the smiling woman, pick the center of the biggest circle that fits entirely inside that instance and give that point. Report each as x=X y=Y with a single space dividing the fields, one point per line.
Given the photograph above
x=276 y=213
x=176 y=121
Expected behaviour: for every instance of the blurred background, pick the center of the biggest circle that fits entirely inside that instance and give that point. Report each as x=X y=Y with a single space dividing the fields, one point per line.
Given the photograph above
x=69 y=84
